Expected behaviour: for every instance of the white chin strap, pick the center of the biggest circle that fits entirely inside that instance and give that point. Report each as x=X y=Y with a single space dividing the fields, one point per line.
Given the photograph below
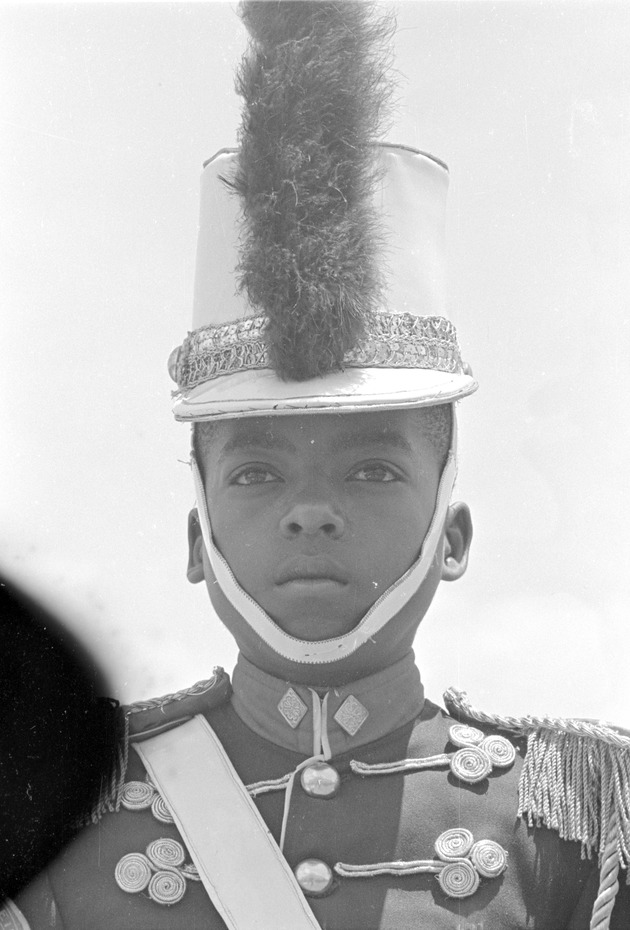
x=380 y=613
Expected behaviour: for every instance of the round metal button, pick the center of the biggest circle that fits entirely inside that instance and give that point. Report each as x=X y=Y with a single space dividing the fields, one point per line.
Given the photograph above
x=314 y=877
x=320 y=780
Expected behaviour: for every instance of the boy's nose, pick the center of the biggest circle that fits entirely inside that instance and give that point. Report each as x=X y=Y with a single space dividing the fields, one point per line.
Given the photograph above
x=312 y=518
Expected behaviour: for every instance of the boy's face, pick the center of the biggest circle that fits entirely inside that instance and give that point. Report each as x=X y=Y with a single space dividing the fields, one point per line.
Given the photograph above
x=318 y=514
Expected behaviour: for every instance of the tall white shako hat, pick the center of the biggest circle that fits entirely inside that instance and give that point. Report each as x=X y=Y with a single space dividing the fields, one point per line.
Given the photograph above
x=409 y=354
x=320 y=273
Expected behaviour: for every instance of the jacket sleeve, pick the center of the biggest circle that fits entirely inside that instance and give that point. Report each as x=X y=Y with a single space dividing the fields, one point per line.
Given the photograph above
x=38 y=905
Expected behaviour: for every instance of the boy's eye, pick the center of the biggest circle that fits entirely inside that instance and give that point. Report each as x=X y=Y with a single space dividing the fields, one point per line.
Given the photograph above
x=254 y=474
x=374 y=471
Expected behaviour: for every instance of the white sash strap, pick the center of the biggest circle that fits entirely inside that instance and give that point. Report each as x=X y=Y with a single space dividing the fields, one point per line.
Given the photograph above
x=246 y=876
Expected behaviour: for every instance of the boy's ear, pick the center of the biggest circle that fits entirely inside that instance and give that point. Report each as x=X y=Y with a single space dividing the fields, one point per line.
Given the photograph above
x=458 y=533
x=194 y=572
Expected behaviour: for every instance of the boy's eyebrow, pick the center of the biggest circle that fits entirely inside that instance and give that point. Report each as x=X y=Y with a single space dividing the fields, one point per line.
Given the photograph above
x=263 y=438
x=259 y=438
x=388 y=438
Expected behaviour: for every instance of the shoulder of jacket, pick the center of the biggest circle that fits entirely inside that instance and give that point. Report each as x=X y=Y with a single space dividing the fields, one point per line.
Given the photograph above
x=145 y=719
x=459 y=706
x=148 y=718
x=575 y=777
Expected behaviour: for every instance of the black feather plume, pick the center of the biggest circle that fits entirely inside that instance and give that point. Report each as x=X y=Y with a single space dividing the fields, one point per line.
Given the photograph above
x=315 y=82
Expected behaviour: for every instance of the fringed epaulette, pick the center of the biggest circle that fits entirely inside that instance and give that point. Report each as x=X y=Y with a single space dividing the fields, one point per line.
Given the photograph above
x=144 y=719
x=575 y=779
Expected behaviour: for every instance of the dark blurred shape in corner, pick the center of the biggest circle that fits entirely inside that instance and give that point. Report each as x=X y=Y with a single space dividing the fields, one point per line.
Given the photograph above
x=59 y=737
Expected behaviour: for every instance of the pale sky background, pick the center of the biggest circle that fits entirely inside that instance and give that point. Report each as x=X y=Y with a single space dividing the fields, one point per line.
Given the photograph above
x=107 y=113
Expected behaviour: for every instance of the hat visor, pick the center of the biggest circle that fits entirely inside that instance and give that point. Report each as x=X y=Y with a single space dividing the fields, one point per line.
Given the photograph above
x=262 y=393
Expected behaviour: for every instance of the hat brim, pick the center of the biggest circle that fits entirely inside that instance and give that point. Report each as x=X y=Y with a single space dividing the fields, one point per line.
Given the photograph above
x=262 y=393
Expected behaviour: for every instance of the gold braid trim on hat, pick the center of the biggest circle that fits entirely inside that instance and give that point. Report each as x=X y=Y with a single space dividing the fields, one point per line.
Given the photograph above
x=393 y=340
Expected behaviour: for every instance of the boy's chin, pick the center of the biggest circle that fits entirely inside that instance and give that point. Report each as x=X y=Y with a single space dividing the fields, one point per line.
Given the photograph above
x=314 y=612
x=317 y=629
x=383 y=649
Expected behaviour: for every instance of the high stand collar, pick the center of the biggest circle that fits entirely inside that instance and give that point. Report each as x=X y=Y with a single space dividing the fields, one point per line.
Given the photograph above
x=332 y=721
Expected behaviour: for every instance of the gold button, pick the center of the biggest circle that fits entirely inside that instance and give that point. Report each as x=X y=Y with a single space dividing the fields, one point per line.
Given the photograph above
x=320 y=780
x=314 y=877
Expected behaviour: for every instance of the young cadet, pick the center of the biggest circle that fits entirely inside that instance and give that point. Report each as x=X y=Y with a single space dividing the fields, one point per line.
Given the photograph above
x=319 y=788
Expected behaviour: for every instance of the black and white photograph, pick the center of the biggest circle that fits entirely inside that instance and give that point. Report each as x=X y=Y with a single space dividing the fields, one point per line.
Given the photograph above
x=315 y=524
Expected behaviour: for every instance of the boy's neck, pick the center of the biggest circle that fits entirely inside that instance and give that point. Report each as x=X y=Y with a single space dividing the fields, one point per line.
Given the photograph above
x=322 y=677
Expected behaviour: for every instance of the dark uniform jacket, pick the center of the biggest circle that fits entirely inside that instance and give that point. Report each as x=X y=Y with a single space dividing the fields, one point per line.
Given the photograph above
x=375 y=817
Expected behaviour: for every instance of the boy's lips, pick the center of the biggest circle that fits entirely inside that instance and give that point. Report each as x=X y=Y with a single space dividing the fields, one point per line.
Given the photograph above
x=310 y=568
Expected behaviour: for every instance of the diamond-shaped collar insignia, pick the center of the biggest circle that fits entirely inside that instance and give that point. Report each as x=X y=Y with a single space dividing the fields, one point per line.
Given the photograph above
x=351 y=715
x=292 y=708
